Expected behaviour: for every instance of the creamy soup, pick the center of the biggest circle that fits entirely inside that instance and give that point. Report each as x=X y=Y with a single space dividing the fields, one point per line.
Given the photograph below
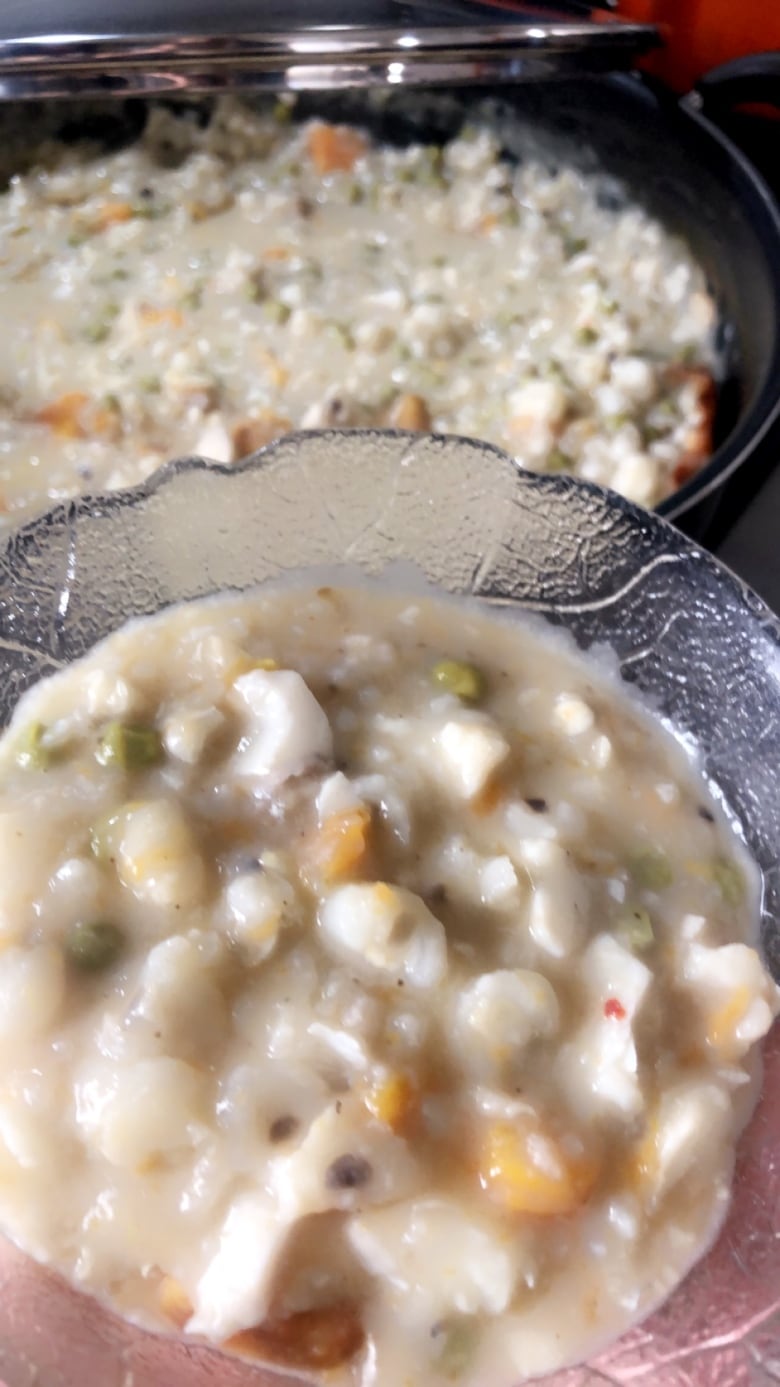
x=208 y=288
x=378 y=988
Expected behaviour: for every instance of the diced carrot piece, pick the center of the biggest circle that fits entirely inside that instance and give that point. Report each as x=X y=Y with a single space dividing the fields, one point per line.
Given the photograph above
x=276 y=253
x=395 y=1101
x=171 y=317
x=529 y=1171
x=409 y=412
x=174 y=1302
x=699 y=440
x=490 y=798
x=334 y=147
x=315 y=1339
x=340 y=845
x=257 y=432
x=111 y=214
x=64 y=415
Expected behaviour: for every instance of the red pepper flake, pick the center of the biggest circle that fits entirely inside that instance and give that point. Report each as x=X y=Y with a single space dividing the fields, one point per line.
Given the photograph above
x=614 y=1008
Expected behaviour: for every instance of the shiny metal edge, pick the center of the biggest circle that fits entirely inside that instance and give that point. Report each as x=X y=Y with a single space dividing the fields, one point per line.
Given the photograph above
x=321 y=44
x=62 y=67
x=122 y=83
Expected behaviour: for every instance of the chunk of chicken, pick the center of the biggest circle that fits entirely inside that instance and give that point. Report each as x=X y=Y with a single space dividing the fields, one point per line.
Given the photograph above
x=386 y=931
x=286 y=731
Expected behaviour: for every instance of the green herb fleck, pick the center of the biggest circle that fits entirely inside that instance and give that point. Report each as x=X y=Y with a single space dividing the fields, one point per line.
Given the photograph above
x=574 y=245
x=94 y=946
x=129 y=747
x=729 y=880
x=276 y=312
x=651 y=869
x=32 y=753
x=557 y=461
x=150 y=211
x=194 y=296
x=635 y=930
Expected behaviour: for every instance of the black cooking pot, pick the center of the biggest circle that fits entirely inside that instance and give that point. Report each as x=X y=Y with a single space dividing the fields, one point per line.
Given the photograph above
x=672 y=159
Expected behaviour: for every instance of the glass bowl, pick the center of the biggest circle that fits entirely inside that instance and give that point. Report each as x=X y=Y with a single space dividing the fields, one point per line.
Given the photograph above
x=698 y=647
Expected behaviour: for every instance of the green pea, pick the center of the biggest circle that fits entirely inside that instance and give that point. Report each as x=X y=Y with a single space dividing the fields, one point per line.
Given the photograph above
x=635 y=930
x=128 y=747
x=574 y=245
x=459 y=678
x=729 y=880
x=276 y=312
x=586 y=336
x=557 y=461
x=32 y=754
x=651 y=869
x=94 y=946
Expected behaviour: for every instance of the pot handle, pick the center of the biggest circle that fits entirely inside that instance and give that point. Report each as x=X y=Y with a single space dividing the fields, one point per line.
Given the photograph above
x=744 y=80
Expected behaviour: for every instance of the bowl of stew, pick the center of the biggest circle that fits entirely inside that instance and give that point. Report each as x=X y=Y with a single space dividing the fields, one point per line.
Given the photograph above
x=389 y=925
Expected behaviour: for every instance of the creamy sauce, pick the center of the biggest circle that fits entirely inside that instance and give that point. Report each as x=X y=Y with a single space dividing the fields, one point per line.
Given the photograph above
x=377 y=990
x=207 y=289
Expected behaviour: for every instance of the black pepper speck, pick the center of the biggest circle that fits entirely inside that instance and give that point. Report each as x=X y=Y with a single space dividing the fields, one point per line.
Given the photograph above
x=348 y=1173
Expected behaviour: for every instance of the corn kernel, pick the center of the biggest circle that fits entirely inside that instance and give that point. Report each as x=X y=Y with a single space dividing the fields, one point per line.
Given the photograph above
x=529 y=1172
x=393 y=1101
x=174 y=1301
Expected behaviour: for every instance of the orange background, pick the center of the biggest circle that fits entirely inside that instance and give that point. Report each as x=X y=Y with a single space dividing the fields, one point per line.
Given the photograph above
x=700 y=34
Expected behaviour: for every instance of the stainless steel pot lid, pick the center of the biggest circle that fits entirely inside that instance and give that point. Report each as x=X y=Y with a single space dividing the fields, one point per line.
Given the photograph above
x=84 y=50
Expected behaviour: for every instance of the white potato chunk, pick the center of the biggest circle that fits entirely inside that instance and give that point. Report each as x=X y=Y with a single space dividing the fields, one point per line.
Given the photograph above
x=186 y=733
x=180 y=999
x=214 y=440
x=634 y=377
x=157 y=856
x=233 y=1292
x=344 y=1162
x=497 y=1014
x=438 y=1258
x=26 y=1134
x=146 y=1110
x=336 y=795
x=600 y=1066
x=75 y=890
x=386 y=930
x=693 y=1118
x=558 y=907
x=26 y=852
x=572 y=715
x=735 y=991
x=539 y=402
x=498 y=882
x=287 y=731
x=32 y=990
x=108 y=695
x=258 y=905
x=469 y=749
